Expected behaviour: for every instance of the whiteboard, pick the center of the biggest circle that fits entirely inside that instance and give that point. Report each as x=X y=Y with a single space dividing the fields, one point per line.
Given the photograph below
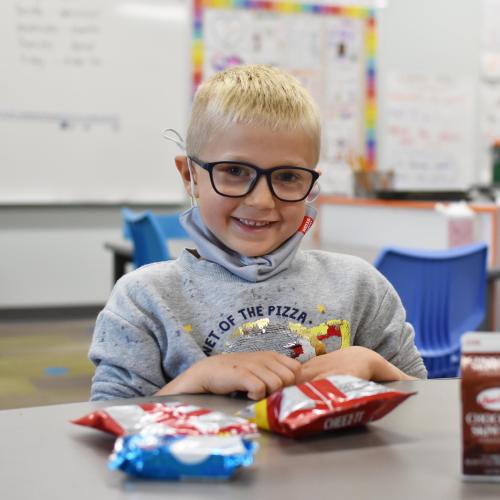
x=86 y=87
x=430 y=131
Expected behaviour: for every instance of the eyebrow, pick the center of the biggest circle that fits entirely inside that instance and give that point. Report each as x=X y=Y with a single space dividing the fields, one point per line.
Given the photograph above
x=287 y=163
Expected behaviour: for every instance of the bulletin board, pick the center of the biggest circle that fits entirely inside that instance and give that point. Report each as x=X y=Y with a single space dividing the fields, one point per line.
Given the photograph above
x=330 y=49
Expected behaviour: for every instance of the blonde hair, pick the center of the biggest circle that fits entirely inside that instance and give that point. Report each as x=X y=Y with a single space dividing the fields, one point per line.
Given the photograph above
x=253 y=94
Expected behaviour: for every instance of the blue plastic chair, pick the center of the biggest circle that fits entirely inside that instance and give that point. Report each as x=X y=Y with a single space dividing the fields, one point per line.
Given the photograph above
x=444 y=294
x=150 y=233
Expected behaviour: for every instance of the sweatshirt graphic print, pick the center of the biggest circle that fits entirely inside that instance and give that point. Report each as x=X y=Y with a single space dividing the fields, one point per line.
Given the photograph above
x=278 y=334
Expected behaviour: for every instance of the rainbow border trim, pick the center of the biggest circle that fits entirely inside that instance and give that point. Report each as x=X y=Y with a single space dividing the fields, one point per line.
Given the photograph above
x=292 y=7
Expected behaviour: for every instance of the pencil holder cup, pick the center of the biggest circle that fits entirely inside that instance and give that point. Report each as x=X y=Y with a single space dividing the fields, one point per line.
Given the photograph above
x=368 y=183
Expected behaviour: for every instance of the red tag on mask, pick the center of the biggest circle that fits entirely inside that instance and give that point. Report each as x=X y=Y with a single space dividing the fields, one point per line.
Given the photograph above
x=306 y=224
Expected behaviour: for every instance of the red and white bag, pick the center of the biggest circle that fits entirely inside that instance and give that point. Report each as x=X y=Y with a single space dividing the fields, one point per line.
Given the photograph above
x=166 y=419
x=332 y=403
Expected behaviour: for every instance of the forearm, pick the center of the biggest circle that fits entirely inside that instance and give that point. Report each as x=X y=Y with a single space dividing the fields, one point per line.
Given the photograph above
x=185 y=383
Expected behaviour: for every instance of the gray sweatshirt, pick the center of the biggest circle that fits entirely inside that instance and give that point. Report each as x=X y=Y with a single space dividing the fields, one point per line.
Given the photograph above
x=163 y=317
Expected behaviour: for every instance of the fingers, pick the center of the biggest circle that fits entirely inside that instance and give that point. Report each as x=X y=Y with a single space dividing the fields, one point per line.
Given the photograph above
x=257 y=374
x=277 y=362
x=284 y=373
x=291 y=364
x=271 y=380
x=276 y=371
x=237 y=378
x=257 y=395
x=259 y=380
x=254 y=386
x=257 y=384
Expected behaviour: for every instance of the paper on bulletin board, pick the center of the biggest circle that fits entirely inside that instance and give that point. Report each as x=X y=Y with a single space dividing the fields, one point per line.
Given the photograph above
x=344 y=97
x=326 y=53
x=430 y=131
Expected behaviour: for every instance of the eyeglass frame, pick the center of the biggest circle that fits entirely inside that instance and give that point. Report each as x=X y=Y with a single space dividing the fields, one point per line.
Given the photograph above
x=266 y=172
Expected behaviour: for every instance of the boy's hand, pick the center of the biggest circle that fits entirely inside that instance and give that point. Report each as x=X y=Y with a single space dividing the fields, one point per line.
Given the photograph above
x=355 y=360
x=256 y=373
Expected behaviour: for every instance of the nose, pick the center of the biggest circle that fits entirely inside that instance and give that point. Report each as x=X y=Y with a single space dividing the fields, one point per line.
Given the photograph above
x=260 y=196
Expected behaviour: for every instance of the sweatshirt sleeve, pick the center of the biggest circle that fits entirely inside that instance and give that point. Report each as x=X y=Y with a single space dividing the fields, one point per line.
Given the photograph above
x=387 y=332
x=127 y=359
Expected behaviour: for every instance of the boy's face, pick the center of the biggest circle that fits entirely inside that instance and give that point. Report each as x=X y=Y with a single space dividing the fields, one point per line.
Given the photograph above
x=257 y=223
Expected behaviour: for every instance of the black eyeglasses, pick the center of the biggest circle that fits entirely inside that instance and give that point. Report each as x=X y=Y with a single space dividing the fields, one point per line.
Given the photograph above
x=236 y=179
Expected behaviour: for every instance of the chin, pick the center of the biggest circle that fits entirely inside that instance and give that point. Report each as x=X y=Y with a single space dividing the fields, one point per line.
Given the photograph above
x=249 y=248
x=258 y=252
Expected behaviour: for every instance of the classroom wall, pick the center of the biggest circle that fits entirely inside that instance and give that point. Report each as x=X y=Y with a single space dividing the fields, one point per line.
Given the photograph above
x=54 y=255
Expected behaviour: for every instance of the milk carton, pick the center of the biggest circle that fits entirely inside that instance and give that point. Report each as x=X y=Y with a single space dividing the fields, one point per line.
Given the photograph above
x=480 y=367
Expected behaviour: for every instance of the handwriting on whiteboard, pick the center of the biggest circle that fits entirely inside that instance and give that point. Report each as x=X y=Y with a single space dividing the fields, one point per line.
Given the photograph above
x=430 y=131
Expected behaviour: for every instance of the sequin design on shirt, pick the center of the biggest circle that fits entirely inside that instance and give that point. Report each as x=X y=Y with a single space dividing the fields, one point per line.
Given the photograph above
x=292 y=339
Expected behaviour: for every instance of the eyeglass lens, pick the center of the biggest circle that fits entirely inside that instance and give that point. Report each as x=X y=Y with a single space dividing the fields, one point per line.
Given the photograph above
x=234 y=179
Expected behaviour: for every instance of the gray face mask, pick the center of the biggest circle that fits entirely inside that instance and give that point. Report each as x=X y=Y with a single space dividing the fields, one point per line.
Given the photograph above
x=252 y=269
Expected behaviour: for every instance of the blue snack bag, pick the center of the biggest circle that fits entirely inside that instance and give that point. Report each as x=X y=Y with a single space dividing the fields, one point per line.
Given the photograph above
x=182 y=457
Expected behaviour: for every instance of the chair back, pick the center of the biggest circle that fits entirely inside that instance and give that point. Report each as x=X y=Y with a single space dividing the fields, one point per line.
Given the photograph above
x=150 y=234
x=444 y=294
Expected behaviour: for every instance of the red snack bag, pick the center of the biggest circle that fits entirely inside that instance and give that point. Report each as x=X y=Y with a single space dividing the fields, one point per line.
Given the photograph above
x=162 y=419
x=332 y=403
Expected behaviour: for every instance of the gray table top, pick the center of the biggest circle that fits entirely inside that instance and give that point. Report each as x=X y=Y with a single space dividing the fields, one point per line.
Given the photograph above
x=412 y=453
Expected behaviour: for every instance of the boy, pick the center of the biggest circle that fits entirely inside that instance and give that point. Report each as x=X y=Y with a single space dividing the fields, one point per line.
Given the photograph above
x=246 y=311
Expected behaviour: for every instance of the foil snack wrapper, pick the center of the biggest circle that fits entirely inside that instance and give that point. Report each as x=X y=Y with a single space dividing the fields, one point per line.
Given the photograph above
x=182 y=457
x=332 y=403
x=166 y=419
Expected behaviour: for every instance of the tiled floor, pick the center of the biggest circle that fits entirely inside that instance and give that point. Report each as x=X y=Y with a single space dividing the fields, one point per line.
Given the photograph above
x=44 y=362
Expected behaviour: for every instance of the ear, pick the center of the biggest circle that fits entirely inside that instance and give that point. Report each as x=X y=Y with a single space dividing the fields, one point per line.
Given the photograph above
x=181 y=162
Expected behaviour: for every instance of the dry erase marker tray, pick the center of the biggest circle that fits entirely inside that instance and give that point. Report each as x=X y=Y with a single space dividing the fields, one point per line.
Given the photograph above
x=422 y=195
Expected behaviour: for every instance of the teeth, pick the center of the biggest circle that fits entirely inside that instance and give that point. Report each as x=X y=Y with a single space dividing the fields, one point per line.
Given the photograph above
x=255 y=223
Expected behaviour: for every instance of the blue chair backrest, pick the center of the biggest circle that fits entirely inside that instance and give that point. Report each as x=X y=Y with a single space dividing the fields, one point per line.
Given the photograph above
x=443 y=292
x=150 y=233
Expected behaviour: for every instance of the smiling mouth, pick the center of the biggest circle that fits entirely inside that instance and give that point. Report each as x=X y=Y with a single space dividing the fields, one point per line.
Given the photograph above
x=253 y=223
